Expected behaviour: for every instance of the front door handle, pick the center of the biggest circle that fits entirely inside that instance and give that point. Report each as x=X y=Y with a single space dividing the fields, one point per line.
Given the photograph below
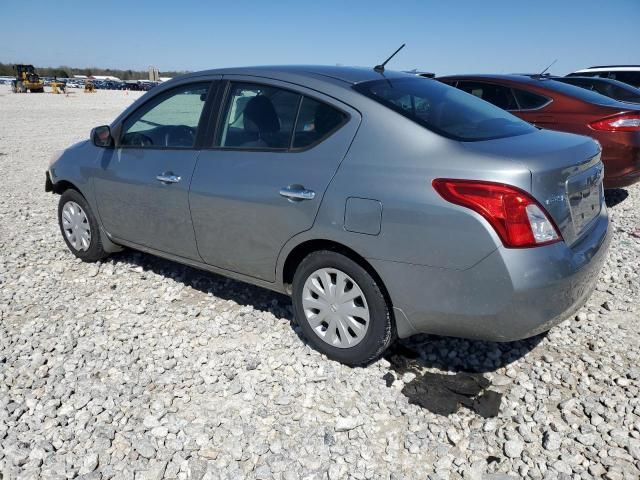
x=168 y=177
x=297 y=193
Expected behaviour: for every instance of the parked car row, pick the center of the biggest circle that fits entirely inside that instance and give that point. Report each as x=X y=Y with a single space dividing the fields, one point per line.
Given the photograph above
x=139 y=85
x=384 y=203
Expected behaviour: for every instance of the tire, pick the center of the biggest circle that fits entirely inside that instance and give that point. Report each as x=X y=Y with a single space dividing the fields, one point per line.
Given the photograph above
x=88 y=248
x=357 y=339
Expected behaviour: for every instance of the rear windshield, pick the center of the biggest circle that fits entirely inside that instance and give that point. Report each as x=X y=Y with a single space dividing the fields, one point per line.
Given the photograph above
x=578 y=92
x=630 y=77
x=444 y=110
x=609 y=88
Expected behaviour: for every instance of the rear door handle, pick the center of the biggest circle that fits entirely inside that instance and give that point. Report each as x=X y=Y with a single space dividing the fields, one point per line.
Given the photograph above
x=168 y=177
x=297 y=193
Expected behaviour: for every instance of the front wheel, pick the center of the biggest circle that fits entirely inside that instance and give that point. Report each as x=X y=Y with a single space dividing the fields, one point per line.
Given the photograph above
x=79 y=227
x=341 y=309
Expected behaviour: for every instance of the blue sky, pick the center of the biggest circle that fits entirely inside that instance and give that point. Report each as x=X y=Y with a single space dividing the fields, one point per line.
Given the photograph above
x=461 y=36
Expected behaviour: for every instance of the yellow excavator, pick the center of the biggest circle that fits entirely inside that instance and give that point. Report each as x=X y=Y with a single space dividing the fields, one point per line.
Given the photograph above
x=26 y=79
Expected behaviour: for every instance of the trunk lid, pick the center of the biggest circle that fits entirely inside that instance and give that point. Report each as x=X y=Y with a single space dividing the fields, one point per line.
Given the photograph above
x=566 y=175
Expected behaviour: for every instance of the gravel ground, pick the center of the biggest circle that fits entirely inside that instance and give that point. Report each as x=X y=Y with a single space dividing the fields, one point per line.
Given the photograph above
x=139 y=368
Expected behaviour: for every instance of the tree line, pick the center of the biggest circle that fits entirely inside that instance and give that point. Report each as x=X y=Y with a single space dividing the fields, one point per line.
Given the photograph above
x=6 y=70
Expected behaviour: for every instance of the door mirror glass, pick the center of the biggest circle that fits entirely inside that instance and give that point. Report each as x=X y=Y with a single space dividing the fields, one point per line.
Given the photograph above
x=101 y=136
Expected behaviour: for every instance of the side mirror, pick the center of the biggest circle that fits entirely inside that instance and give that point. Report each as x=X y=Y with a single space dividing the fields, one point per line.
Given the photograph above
x=101 y=136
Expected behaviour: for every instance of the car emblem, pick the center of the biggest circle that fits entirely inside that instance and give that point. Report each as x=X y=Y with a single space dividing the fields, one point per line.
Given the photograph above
x=554 y=199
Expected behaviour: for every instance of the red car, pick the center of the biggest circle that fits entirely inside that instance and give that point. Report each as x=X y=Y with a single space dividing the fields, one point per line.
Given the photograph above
x=554 y=105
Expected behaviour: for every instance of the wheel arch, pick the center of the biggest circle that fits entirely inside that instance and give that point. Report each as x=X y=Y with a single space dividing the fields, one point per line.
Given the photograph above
x=300 y=251
x=62 y=186
x=401 y=324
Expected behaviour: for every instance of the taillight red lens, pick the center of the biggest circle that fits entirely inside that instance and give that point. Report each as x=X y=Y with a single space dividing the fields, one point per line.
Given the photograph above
x=625 y=122
x=517 y=218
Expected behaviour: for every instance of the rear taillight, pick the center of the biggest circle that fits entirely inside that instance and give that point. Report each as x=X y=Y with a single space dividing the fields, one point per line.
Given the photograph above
x=518 y=219
x=624 y=122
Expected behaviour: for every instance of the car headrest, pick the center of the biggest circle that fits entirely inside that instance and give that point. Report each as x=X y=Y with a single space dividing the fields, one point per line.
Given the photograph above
x=262 y=116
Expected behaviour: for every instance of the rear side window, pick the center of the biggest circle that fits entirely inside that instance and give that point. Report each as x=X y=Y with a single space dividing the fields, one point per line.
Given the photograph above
x=529 y=101
x=499 y=95
x=444 y=110
x=316 y=121
x=258 y=117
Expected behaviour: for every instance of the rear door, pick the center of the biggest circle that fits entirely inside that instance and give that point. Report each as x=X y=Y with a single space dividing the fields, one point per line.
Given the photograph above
x=273 y=153
x=142 y=185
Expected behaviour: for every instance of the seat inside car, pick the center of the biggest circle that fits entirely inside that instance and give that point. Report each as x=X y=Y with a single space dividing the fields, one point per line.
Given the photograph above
x=261 y=122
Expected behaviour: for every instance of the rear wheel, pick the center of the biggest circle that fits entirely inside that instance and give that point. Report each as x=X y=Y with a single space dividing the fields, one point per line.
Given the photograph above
x=79 y=227
x=341 y=308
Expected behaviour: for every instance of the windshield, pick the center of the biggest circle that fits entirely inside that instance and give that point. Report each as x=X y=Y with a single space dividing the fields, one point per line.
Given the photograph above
x=444 y=110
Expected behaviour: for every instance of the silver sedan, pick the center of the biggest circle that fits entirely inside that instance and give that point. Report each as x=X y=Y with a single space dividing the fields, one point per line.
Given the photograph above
x=385 y=204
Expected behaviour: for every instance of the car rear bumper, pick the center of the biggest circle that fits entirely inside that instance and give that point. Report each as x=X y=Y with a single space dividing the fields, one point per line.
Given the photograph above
x=622 y=162
x=623 y=180
x=509 y=295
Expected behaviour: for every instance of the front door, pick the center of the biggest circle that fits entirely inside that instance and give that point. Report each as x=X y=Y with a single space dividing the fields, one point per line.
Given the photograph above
x=142 y=185
x=275 y=152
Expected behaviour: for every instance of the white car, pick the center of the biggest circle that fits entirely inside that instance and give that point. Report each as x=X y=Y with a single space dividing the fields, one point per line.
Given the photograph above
x=623 y=73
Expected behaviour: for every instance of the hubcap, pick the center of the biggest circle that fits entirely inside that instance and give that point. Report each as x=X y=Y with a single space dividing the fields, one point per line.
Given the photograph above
x=335 y=307
x=76 y=226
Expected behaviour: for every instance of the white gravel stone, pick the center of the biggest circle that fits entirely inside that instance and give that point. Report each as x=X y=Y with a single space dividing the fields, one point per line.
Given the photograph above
x=551 y=440
x=142 y=368
x=513 y=448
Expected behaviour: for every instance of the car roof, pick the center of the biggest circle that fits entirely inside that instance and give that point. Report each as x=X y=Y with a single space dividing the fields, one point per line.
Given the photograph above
x=513 y=77
x=611 y=81
x=349 y=75
x=606 y=68
x=591 y=79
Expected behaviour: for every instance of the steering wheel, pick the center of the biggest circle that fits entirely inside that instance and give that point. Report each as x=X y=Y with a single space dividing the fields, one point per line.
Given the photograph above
x=180 y=136
x=136 y=139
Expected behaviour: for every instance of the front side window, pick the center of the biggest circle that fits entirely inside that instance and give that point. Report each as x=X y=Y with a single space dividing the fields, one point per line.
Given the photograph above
x=316 y=120
x=258 y=117
x=499 y=95
x=444 y=110
x=170 y=120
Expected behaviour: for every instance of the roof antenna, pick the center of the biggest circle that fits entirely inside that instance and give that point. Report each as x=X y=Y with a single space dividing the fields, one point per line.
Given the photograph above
x=380 y=68
x=545 y=70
